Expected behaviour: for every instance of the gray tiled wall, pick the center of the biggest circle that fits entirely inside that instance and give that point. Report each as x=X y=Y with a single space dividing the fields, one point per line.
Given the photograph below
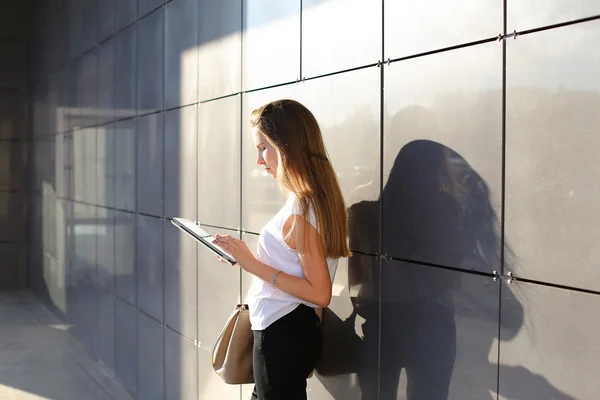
x=13 y=126
x=465 y=154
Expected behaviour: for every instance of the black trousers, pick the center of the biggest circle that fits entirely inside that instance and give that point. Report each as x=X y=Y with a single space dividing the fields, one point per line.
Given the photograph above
x=284 y=355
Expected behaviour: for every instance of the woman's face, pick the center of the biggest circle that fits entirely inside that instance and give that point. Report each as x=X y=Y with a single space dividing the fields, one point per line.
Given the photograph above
x=266 y=155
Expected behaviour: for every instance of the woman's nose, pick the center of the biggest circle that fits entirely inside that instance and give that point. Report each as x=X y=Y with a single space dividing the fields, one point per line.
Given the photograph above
x=259 y=159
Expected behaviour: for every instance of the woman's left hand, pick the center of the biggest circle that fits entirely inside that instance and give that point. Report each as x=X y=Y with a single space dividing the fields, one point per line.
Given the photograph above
x=237 y=248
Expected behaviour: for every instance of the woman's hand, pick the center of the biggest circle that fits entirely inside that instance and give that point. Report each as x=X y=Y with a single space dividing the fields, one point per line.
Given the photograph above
x=237 y=248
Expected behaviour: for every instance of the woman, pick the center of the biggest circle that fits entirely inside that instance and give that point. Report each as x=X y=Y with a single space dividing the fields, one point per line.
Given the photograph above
x=297 y=252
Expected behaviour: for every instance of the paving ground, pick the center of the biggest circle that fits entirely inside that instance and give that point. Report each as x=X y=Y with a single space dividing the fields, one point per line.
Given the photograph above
x=40 y=360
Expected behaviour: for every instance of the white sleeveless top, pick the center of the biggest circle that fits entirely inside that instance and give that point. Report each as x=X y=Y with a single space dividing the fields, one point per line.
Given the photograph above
x=268 y=304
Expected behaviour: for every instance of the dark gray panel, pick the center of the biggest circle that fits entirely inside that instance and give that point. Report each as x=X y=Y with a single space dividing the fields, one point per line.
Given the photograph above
x=107 y=18
x=151 y=50
x=150 y=341
x=85 y=275
x=278 y=24
x=106 y=81
x=181 y=309
x=53 y=112
x=13 y=63
x=145 y=6
x=261 y=196
x=89 y=23
x=89 y=313
x=440 y=328
x=126 y=12
x=181 y=367
x=552 y=124
x=105 y=165
x=218 y=199
x=149 y=261
x=181 y=53
x=40 y=109
x=12 y=113
x=71 y=96
x=125 y=151
x=13 y=15
x=12 y=216
x=83 y=226
x=407 y=34
x=87 y=89
x=8 y=272
x=535 y=13
x=12 y=165
x=443 y=158
x=106 y=329
x=210 y=385
x=106 y=248
x=149 y=176
x=350 y=129
x=126 y=345
x=75 y=28
x=125 y=256
x=331 y=43
x=545 y=347
x=125 y=72
x=180 y=162
x=218 y=293
x=62 y=35
x=36 y=278
x=220 y=48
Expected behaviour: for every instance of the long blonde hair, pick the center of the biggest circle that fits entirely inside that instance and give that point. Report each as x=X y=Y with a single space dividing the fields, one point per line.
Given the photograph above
x=305 y=169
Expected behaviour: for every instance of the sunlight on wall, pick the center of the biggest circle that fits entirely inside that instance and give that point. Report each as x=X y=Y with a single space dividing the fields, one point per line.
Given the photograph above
x=266 y=44
x=54 y=249
x=215 y=74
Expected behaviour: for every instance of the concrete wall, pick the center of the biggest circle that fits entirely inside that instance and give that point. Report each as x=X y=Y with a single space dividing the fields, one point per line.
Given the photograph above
x=466 y=157
x=14 y=22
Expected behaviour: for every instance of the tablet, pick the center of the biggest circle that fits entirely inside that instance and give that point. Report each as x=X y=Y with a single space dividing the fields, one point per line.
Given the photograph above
x=195 y=231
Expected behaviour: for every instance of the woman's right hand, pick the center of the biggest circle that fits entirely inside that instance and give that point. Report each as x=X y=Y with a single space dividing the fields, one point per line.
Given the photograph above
x=220 y=258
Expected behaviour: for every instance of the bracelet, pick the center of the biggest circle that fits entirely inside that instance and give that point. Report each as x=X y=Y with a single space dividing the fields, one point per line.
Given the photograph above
x=274 y=278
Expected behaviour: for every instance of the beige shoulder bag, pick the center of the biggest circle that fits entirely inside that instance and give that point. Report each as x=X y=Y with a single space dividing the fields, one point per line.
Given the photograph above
x=232 y=353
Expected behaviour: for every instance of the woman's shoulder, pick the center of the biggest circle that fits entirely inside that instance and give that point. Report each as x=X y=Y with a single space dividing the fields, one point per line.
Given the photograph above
x=297 y=208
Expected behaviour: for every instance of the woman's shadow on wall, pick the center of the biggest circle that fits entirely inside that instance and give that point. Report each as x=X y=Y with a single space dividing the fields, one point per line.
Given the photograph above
x=437 y=218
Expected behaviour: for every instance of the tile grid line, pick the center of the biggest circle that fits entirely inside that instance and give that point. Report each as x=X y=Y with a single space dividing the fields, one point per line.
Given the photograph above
x=503 y=122
x=197 y=215
x=162 y=238
x=380 y=211
x=524 y=32
x=136 y=27
x=358 y=252
x=503 y=197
